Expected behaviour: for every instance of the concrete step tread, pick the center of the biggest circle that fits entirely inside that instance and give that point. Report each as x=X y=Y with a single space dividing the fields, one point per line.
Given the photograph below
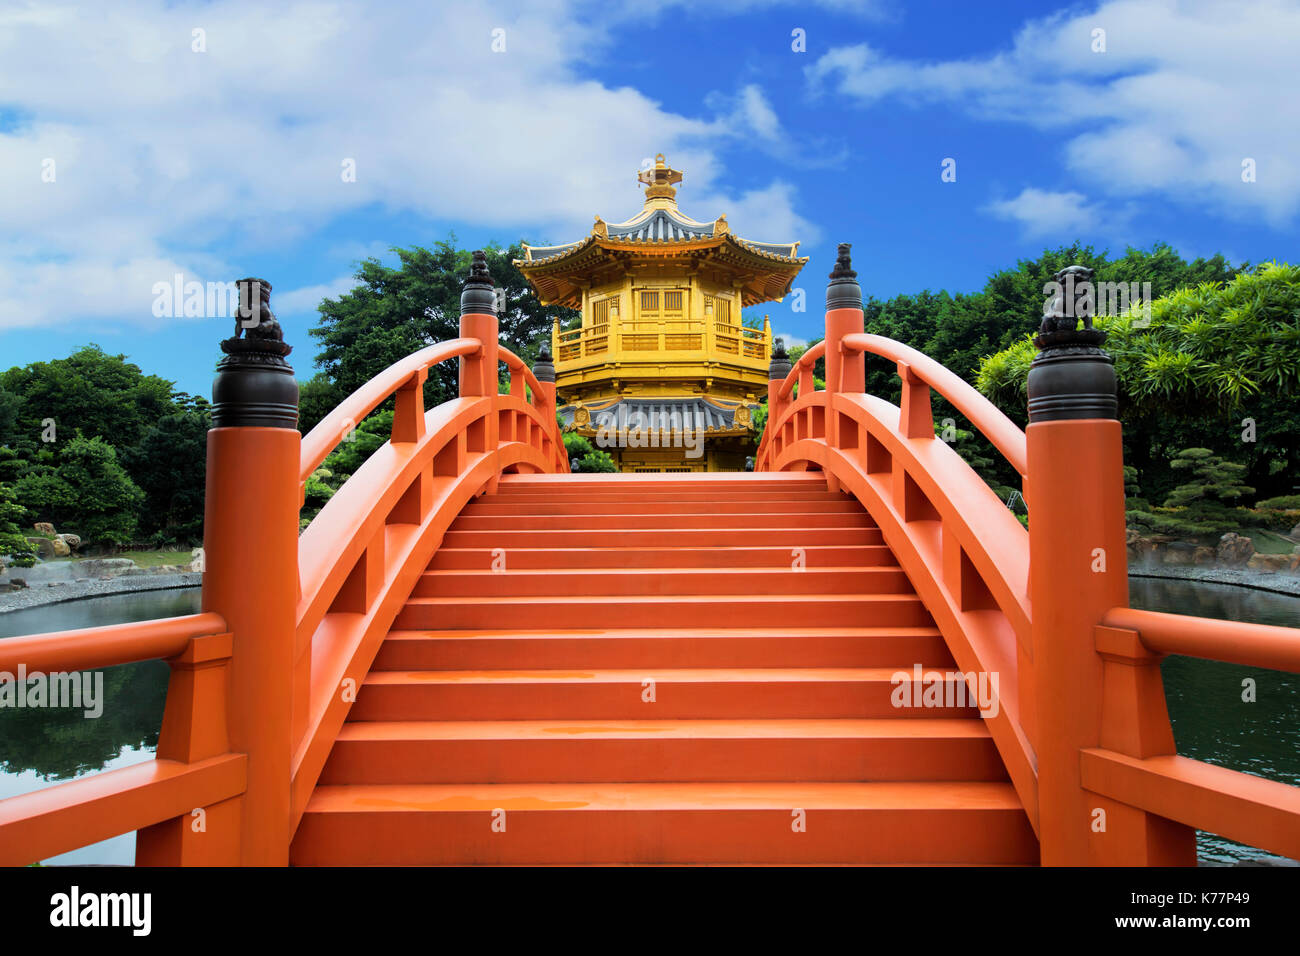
x=712 y=796
x=822 y=570
x=568 y=599
x=637 y=675
x=803 y=728
x=666 y=632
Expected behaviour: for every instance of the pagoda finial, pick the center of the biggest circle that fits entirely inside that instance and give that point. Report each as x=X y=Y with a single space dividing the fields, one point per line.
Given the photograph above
x=659 y=180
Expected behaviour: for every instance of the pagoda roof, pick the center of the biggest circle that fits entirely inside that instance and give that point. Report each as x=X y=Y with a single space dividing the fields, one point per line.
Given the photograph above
x=697 y=414
x=765 y=270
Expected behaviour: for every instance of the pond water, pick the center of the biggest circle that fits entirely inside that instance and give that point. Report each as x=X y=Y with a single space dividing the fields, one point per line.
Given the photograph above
x=40 y=748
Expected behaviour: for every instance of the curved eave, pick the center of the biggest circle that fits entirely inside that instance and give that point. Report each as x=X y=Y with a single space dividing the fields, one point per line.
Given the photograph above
x=554 y=276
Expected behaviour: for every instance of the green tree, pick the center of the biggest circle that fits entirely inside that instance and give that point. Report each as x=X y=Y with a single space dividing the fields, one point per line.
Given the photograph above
x=12 y=540
x=594 y=461
x=88 y=492
x=393 y=312
x=316 y=398
x=1214 y=367
x=90 y=391
x=158 y=433
x=584 y=456
x=168 y=464
x=1215 y=481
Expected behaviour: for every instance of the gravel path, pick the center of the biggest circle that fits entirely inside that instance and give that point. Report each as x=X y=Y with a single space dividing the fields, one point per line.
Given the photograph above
x=76 y=590
x=1242 y=577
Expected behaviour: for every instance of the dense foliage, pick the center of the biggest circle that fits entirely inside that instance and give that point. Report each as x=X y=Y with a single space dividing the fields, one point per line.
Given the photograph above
x=586 y=457
x=1215 y=368
x=101 y=450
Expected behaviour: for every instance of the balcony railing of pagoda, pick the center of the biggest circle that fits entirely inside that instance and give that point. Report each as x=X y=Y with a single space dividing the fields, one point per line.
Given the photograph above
x=262 y=679
x=683 y=338
x=1082 y=723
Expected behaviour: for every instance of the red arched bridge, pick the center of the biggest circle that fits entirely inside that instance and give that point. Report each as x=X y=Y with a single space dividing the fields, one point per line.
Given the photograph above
x=854 y=654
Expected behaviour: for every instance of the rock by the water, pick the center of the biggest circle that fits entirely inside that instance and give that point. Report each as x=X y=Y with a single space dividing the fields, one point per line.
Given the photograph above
x=1269 y=563
x=73 y=541
x=43 y=527
x=1235 y=550
x=105 y=567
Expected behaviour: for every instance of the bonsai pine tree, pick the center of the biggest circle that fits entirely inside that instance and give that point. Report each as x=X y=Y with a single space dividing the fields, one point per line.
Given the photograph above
x=1216 y=483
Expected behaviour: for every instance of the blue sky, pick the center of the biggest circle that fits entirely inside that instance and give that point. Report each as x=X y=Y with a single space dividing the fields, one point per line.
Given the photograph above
x=226 y=161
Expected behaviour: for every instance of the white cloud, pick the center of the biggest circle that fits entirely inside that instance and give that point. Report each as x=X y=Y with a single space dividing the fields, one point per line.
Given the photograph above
x=757 y=112
x=641 y=9
x=767 y=215
x=1183 y=93
x=305 y=299
x=164 y=155
x=1058 y=215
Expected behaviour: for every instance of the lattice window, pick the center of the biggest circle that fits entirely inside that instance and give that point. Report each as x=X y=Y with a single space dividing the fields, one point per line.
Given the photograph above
x=722 y=311
x=649 y=302
x=673 y=300
x=600 y=312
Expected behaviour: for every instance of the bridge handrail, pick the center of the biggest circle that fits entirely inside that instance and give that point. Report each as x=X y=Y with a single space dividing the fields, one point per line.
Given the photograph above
x=1231 y=642
x=802 y=367
x=1005 y=435
x=331 y=430
x=192 y=768
x=107 y=645
x=516 y=364
x=1142 y=769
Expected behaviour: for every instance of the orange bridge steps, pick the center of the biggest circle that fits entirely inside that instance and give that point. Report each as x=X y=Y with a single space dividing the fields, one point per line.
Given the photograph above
x=660 y=670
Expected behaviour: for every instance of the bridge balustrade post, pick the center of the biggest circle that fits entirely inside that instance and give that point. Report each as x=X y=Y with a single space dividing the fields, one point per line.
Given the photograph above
x=250 y=552
x=479 y=373
x=194 y=728
x=777 y=370
x=545 y=403
x=844 y=373
x=1078 y=570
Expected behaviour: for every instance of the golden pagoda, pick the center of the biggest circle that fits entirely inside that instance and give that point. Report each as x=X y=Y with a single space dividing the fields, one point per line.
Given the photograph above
x=662 y=373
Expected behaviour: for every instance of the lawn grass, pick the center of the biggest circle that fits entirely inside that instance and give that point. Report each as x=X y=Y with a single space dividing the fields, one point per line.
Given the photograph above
x=153 y=559
x=1269 y=542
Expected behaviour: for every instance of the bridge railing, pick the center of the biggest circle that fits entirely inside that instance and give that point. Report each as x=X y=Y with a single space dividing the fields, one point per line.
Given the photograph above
x=195 y=779
x=1081 y=721
x=262 y=679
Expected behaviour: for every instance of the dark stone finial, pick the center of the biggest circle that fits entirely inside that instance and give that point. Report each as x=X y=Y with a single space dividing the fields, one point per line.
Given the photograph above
x=780 y=365
x=1073 y=300
x=544 y=367
x=843 y=291
x=254 y=386
x=478 y=295
x=1071 y=376
x=843 y=270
